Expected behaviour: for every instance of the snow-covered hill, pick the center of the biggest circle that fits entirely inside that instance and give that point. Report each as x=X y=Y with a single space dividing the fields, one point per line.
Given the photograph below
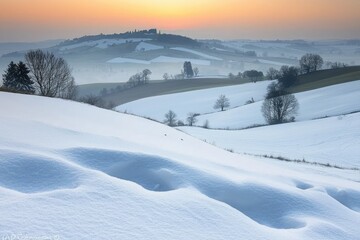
x=328 y=101
x=333 y=140
x=76 y=172
x=200 y=101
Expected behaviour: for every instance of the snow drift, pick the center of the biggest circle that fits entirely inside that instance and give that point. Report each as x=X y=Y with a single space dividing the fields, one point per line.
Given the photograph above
x=75 y=171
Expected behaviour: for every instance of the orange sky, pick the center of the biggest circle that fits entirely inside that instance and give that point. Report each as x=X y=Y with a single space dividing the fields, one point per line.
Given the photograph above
x=27 y=20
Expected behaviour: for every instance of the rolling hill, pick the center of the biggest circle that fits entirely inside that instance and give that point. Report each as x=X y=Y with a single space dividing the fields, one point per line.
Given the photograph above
x=73 y=170
x=113 y=58
x=325 y=131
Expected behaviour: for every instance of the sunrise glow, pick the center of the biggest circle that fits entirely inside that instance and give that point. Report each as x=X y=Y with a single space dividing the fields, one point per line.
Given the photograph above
x=227 y=19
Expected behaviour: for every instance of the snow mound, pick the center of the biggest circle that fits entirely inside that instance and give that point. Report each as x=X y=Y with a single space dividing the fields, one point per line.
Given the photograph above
x=151 y=172
x=74 y=171
x=333 y=140
x=348 y=198
x=29 y=173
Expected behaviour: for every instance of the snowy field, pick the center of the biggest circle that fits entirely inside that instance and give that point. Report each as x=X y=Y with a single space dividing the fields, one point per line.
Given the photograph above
x=197 y=53
x=102 y=43
x=200 y=101
x=76 y=172
x=144 y=46
x=329 y=101
x=160 y=59
x=333 y=140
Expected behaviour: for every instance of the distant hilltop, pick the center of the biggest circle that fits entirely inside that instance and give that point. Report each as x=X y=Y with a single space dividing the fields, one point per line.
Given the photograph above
x=152 y=34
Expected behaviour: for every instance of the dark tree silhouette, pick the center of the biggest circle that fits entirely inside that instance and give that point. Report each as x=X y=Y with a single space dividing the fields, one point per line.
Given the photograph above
x=310 y=63
x=17 y=78
x=51 y=74
x=146 y=75
x=279 y=106
x=272 y=74
x=170 y=118
x=191 y=119
x=253 y=75
x=196 y=71
x=288 y=76
x=222 y=102
x=188 y=70
x=9 y=78
x=166 y=76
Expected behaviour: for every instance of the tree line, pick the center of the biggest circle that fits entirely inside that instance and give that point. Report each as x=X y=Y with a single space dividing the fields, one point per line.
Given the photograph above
x=42 y=73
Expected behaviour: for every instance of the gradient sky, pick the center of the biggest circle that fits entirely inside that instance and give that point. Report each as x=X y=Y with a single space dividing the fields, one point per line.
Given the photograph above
x=32 y=20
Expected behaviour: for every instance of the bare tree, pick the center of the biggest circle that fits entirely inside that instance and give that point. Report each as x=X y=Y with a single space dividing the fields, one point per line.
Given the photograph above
x=170 y=118
x=191 y=119
x=280 y=109
x=51 y=74
x=196 y=71
x=146 y=75
x=222 y=102
x=310 y=63
x=166 y=76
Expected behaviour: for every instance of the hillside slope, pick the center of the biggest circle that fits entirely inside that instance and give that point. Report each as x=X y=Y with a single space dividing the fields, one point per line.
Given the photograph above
x=328 y=101
x=333 y=140
x=74 y=171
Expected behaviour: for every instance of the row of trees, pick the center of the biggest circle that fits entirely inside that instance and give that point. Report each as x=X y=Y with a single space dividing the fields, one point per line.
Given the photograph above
x=251 y=75
x=187 y=72
x=288 y=75
x=16 y=78
x=139 y=78
x=171 y=119
x=43 y=73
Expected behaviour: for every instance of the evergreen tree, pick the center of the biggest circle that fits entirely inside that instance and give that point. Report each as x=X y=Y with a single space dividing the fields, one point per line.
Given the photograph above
x=188 y=70
x=17 y=78
x=23 y=80
x=9 y=78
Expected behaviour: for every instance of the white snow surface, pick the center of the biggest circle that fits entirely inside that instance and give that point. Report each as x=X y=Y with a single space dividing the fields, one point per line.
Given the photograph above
x=328 y=101
x=165 y=59
x=333 y=140
x=127 y=60
x=160 y=59
x=197 y=53
x=199 y=101
x=103 y=43
x=77 y=172
x=144 y=46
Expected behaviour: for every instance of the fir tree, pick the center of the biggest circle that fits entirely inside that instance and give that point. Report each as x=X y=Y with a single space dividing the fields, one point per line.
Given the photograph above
x=188 y=71
x=9 y=78
x=17 y=78
x=23 y=80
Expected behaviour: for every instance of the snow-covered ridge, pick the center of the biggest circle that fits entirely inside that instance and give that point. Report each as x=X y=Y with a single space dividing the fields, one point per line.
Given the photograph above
x=73 y=171
x=103 y=43
x=206 y=56
x=160 y=59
